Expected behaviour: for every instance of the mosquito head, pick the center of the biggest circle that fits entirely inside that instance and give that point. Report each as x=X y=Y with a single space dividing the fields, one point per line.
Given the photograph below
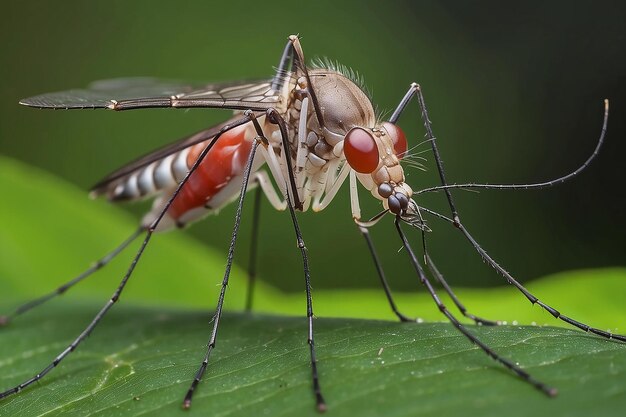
x=372 y=149
x=375 y=155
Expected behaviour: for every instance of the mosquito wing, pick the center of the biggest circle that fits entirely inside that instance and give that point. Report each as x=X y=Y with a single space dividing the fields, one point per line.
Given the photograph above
x=141 y=92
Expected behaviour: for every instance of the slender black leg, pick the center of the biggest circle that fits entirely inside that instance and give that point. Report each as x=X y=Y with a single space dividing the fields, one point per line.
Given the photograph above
x=317 y=391
x=403 y=103
x=439 y=277
x=534 y=300
x=99 y=264
x=381 y=274
x=538 y=185
x=116 y=295
x=299 y=64
x=254 y=244
x=456 y=222
x=490 y=352
x=435 y=272
x=431 y=138
x=275 y=117
x=415 y=89
x=281 y=71
x=229 y=263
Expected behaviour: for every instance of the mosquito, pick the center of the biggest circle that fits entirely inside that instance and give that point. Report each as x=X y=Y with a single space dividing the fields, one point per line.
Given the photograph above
x=296 y=137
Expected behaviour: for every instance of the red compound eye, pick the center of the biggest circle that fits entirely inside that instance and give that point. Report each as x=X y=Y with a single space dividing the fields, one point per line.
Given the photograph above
x=361 y=151
x=397 y=137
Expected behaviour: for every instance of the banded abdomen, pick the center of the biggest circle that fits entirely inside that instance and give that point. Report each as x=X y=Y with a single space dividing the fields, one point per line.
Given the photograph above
x=215 y=182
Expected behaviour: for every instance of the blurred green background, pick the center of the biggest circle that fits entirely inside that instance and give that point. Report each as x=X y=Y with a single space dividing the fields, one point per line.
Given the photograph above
x=514 y=91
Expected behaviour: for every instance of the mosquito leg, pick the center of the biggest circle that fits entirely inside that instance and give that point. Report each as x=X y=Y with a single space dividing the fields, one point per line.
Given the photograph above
x=533 y=299
x=274 y=117
x=265 y=187
x=299 y=64
x=83 y=335
x=537 y=185
x=254 y=244
x=403 y=103
x=490 y=352
x=456 y=222
x=281 y=70
x=520 y=287
x=262 y=178
x=99 y=264
x=317 y=391
x=229 y=263
x=116 y=295
x=319 y=399
x=435 y=272
x=381 y=274
x=363 y=228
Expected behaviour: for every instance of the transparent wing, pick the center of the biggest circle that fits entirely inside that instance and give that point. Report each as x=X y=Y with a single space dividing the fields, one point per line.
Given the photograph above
x=142 y=92
x=119 y=175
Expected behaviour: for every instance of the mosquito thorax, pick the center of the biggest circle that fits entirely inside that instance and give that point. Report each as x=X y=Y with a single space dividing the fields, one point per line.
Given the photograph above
x=343 y=105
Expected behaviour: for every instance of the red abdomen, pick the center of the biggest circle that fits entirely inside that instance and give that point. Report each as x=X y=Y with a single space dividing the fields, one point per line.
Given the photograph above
x=225 y=160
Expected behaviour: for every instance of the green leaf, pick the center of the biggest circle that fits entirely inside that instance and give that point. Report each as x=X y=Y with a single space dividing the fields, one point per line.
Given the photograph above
x=141 y=359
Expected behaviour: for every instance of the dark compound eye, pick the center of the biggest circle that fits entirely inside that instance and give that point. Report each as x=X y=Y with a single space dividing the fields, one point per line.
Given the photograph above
x=361 y=150
x=394 y=204
x=398 y=203
x=402 y=200
x=385 y=189
x=398 y=138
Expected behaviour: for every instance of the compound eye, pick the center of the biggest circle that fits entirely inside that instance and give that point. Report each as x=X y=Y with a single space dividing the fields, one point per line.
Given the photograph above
x=361 y=150
x=397 y=137
x=385 y=190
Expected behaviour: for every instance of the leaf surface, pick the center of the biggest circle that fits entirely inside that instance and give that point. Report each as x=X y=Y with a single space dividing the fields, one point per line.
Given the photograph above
x=141 y=359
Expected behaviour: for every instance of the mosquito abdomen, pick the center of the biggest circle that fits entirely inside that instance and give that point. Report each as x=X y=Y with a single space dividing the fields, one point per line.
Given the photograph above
x=225 y=160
